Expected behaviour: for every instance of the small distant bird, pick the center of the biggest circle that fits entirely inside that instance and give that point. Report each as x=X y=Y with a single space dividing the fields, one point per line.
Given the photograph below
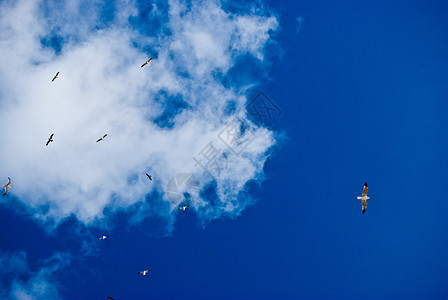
x=50 y=139
x=149 y=176
x=103 y=237
x=143 y=272
x=364 y=198
x=102 y=139
x=55 y=76
x=183 y=207
x=7 y=186
x=110 y=298
x=147 y=62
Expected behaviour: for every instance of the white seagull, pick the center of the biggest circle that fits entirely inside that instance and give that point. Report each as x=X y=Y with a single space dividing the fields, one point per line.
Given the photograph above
x=7 y=186
x=103 y=237
x=364 y=198
x=147 y=62
x=55 y=76
x=183 y=207
x=143 y=272
x=102 y=139
x=50 y=139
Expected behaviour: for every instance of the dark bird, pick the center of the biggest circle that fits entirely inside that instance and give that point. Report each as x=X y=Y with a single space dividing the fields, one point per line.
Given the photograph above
x=102 y=139
x=55 y=76
x=103 y=237
x=364 y=198
x=147 y=62
x=143 y=272
x=149 y=176
x=7 y=186
x=183 y=207
x=50 y=139
x=110 y=298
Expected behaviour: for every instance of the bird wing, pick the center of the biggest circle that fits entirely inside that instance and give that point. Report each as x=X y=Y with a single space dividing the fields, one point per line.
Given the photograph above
x=51 y=136
x=144 y=64
x=55 y=76
x=48 y=142
x=104 y=136
x=364 y=192
x=149 y=60
x=364 y=205
x=6 y=190
x=9 y=181
x=99 y=140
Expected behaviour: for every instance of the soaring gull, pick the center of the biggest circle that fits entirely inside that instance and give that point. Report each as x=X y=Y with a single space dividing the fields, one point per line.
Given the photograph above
x=103 y=237
x=102 y=139
x=50 y=139
x=55 y=76
x=143 y=272
x=7 y=186
x=149 y=176
x=364 y=198
x=183 y=207
x=147 y=62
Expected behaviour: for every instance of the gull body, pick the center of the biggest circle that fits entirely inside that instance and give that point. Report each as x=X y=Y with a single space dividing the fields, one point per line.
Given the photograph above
x=103 y=237
x=7 y=186
x=364 y=198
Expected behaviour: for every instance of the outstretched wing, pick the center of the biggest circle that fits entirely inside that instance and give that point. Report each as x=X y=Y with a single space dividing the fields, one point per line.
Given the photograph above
x=104 y=136
x=364 y=192
x=364 y=205
x=9 y=181
x=6 y=190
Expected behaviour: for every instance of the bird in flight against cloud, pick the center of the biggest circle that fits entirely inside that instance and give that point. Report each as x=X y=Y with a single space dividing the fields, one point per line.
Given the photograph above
x=143 y=272
x=149 y=176
x=183 y=207
x=147 y=62
x=50 y=139
x=55 y=76
x=102 y=139
x=7 y=186
x=364 y=198
x=103 y=237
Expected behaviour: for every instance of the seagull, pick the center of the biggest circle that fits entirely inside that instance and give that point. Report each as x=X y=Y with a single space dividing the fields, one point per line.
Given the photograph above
x=50 y=139
x=102 y=139
x=149 y=176
x=143 y=272
x=55 y=76
x=103 y=237
x=183 y=207
x=147 y=62
x=110 y=298
x=7 y=186
x=364 y=198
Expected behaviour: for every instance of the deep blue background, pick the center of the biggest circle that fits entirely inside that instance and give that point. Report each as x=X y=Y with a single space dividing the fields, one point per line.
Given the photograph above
x=363 y=88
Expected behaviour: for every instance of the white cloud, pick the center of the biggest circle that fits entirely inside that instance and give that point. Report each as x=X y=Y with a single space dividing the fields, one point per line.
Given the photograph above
x=102 y=89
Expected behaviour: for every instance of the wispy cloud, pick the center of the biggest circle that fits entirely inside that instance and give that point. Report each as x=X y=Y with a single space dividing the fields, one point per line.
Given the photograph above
x=18 y=281
x=157 y=118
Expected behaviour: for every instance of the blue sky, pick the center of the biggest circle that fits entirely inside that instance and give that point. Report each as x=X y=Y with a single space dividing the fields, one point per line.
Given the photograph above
x=361 y=91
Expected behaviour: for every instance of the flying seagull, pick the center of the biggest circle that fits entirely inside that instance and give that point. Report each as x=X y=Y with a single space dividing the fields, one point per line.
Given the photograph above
x=147 y=62
x=55 y=76
x=7 y=186
x=143 y=272
x=149 y=176
x=103 y=237
x=50 y=139
x=183 y=207
x=110 y=298
x=364 y=198
x=102 y=139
